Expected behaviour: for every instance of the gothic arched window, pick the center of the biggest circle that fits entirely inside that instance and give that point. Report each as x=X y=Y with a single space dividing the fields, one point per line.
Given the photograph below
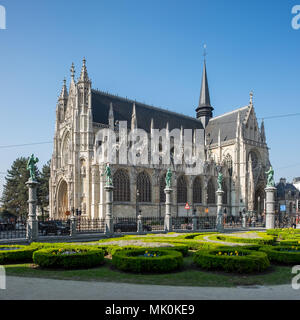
x=229 y=163
x=181 y=190
x=197 y=191
x=121 y=185
x=211 y=192
x=143 y=185
x=162 y=186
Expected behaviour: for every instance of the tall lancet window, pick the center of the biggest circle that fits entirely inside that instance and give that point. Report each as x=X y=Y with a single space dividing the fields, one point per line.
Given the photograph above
x=121 y=185
x=181 y=190
x=197 y=190
x=143 y=185
x=211 y=192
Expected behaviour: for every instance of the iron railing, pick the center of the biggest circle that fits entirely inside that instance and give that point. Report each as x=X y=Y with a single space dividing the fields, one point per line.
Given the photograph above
x=13 y=230
x=87 y=225
x=153 y=223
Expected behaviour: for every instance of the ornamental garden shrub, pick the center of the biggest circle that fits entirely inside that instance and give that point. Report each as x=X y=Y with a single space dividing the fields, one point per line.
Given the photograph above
x=263 y=239
x=283 y=254
x=69 y=257
x=234 y=259
x=181 y=248
x=147 y=260
x=10 y=254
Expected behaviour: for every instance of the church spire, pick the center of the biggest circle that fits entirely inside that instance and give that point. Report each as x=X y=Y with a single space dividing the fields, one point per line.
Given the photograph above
x=204 y=110
x=84 y=77
x=64 y=92
x=133 y=118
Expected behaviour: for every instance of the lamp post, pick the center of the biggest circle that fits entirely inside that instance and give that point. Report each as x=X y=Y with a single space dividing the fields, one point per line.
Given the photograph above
x=137 y=202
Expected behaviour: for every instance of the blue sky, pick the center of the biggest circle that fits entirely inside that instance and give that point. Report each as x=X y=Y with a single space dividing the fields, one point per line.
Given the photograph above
x=151 y=51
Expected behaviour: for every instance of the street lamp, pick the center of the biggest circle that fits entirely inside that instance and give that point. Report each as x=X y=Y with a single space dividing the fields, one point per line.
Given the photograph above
x=137 y=201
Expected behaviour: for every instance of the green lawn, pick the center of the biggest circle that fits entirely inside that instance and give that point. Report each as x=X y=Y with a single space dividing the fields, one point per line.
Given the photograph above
x=190 y=275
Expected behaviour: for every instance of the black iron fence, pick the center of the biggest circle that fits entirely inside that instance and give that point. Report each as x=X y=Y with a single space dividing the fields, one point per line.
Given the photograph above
x=54 y=227
x=13 y=229
x=88 y=225
x=153 y=223
x=121 y=224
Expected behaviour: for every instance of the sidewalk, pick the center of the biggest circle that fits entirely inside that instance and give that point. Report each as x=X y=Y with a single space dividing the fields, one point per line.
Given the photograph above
x=18 y=288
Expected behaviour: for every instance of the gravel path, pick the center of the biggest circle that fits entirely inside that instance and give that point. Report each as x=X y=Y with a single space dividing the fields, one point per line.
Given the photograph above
x=49 y=289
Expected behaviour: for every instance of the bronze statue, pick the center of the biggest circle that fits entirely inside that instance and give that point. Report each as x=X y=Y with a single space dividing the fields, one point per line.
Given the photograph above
x=220 y=180
x=108 y=175
x=31 y=166
x=270 y=178
x=168 y=178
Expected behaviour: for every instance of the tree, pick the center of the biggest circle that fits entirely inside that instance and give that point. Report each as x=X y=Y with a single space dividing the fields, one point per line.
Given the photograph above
x=15 y=192
x=43 y=187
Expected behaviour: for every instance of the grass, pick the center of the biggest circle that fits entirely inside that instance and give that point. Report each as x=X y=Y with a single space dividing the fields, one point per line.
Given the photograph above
x=190 y=275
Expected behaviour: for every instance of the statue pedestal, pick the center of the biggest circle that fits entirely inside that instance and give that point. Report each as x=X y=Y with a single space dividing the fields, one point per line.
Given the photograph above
x=109 y=225
x=32 y=231
x=270 y=207
x=168 y=216
x=220 y=220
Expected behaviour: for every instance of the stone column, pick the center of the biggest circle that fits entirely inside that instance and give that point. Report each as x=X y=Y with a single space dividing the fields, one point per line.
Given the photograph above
x=32 y=221
x=270 y=207
x=109 y=225
x=220 y=219
x=168 y=216
x=139 y=224
x=73 y=225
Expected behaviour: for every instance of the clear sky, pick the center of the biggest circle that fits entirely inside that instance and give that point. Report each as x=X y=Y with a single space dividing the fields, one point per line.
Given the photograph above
x=151 y=51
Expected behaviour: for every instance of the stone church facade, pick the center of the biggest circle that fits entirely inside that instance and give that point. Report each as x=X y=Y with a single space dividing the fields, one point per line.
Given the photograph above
x=233 y=143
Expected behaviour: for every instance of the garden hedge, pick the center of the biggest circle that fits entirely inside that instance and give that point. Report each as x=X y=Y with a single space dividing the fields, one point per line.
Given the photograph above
x=282 y=254
x=16 y=254
x=134 y=260
x=80 y=257
x=234 y=259
x=263 y=240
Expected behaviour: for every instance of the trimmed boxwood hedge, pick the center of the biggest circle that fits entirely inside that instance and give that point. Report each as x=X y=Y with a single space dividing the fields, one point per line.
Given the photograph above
x=264 y=240
x=246 y=262
x=134 y=261
x=86 y=257
x=279 y=254
x=16 y=254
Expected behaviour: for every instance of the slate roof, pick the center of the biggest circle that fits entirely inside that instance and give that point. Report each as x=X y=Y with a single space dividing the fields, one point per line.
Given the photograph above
x=282 y=188
x=122 y=109
x=226 y=123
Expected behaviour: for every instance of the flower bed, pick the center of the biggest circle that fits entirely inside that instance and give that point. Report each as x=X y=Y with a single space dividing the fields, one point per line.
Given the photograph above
x=282 y=254
x=147 y=260
x=16 y=254
x=69 y=257
x=234 y=259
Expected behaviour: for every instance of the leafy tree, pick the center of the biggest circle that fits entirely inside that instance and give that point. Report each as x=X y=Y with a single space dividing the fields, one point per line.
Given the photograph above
x=15 y=192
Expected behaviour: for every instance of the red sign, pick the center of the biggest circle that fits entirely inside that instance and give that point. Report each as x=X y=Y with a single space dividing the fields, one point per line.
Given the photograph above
x=187 y=207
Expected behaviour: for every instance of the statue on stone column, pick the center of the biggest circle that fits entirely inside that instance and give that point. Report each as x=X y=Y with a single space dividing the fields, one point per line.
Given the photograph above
x=220 y=180
x=31 y=167
x=108 y=175
x=168 y=178
x=270 y=178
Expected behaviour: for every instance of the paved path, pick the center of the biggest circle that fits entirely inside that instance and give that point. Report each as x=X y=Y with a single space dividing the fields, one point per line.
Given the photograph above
x=44 y=289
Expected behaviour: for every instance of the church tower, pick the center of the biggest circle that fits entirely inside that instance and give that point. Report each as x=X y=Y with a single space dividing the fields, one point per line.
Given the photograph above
x=204 y=110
